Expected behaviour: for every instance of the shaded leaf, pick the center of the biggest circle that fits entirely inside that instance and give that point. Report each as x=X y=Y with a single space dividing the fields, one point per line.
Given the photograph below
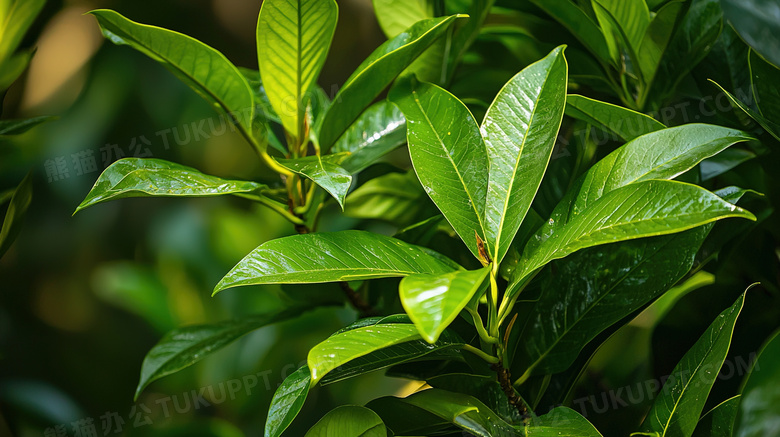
x=14 y=215
x=18 y=127
x=677 y=408
x=758 y=414
x=657 y=37
x=349 y=421
x=632 y=19
x=394 y=197
x=576 y=21
x=187 y=345
x=766 y=91
x=756 y=23
x=720 y=420
x=562 y=422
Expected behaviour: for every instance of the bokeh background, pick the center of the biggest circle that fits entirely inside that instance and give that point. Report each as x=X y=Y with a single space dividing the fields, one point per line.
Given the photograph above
x=83 y=298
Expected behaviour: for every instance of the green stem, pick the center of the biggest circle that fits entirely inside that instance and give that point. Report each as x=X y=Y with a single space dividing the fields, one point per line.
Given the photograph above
x=493 y=324
x=483 y=334
x=275 y=206
x=478 y=352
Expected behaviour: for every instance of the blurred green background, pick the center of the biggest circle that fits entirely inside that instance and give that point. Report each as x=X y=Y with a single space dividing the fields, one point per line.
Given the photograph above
x=84 y=297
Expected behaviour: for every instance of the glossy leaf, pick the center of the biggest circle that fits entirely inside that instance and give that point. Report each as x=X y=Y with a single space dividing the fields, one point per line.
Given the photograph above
x=447 y=153
x=325 y=171
x=287 y=402
x=143 y=177
x=631 y=16
x=379 y=130
x=677 y=408
x=642 y=209
x=758 y=414
x=20 y=202
x=202 y=68
x=293 y=38
x=623 y=122
x=519 y=131
x=377 y=72
x=349 y=421
x=333 y=257
x=463 y=411
x=187 y=345
x=720 y=420
x=18 y=127
x=562 y=422
x=18 y=18
x=447 y=348
x=596 y=288
x=434 y=301
x=342 y=348
x=756 y=23
x=576 y=21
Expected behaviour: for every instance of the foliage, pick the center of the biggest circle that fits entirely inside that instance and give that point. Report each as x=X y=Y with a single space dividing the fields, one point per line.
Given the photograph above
x=525 y=263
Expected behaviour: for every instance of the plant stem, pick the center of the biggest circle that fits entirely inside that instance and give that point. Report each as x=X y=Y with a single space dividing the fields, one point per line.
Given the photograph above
x=483 y=334
x=505 y=380
x=480 y=353
x=357 y=300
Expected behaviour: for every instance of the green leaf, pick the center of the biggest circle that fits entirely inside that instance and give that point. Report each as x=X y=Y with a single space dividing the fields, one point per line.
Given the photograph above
x=720 y=420
x=18 y=18
x=325 y=171
x=484 y=388
x=379 y=130
x=596 y=288
x=407 y=420
x=347 y=346
x=723 y=162
x=519 y=130
x=12 y=224
x=756 y=23
x=766 y=91
x=395 y=16
x=376 y=73
x=657 y=37
x=562 y=422
x=641 y=209
x=770 y=126
x=333 y=257
x=434 y=301
x=143 y=177
x=623 y=122
x=447 y=153
x=463 y=411
x=447 y=348
x=576 y=21
x=18 y=127
x=679 y=405
x=631 y=16
x=349 y=421
x=13 y=67
x=187 y=345
x=693 y=39
x=758 y=414
x=293 y=38
x=287 y=402
x=205 y=70
x=394 y=197
x=264 y=112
